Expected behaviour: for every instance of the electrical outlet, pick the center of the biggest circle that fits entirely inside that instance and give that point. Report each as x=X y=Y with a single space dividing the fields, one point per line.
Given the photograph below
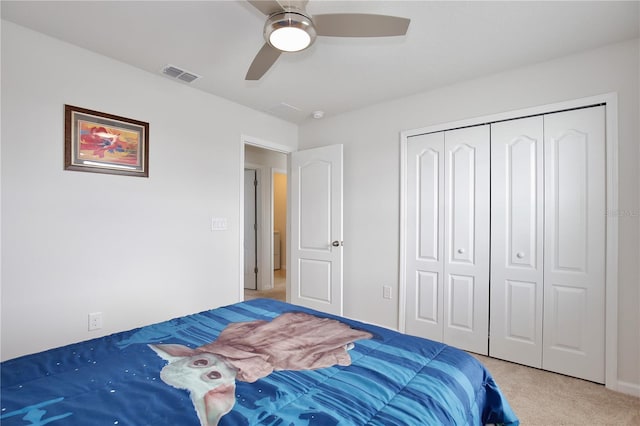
x=95 y=321
x=386 y=292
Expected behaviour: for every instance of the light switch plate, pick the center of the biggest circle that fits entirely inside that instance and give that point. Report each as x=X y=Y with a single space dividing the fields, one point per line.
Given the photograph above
x=386 y=292
x=218 y=223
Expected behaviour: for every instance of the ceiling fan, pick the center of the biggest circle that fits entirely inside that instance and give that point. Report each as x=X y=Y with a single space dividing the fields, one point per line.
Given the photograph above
x=289 y=28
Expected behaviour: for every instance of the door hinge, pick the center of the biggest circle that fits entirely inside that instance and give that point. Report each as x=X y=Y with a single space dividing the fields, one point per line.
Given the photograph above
x=255 y=182
x=255 y=270
x=255 y=226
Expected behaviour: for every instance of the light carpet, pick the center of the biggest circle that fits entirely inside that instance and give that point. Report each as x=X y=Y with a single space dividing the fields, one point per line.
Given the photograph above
x=543 y=398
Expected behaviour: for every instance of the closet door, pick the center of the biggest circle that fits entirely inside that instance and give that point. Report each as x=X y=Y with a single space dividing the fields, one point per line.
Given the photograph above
x=466 y=238
x=516 y=240
x=424 y=243
x=574 y=247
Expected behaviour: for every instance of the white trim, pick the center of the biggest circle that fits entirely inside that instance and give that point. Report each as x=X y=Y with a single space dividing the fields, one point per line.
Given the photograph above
x=240 y=295
x=261 y=143
x=611 y=250
x=265 y=228
x=611 y=289
x=402 y=283
x=260 y=209
x=510 y=115
x=628 y=388
x=264 y=241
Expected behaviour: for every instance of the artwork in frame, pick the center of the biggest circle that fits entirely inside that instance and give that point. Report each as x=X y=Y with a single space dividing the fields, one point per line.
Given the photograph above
x=98 y=142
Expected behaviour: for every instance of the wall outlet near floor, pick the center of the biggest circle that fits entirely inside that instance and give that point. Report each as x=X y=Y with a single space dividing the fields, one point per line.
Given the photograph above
x=386 y=292
x=95 y=321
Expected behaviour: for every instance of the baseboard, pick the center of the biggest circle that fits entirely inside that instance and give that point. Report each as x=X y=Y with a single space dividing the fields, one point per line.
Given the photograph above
x=629 y=388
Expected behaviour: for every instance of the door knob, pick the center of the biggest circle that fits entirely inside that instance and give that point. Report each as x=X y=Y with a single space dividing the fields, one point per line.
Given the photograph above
x=461 y=251
x=520 y=255
x=336 y=243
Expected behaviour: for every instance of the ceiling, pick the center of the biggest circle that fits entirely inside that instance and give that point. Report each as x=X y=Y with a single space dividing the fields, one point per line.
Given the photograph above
x=446 y=42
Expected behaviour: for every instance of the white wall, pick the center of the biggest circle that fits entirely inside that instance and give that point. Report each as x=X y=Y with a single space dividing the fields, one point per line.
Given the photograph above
x=139 y=250
x=74 y=243
x=372 y=172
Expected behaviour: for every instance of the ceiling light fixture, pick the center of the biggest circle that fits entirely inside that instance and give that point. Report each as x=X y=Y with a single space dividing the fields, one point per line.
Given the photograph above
x=289 y=31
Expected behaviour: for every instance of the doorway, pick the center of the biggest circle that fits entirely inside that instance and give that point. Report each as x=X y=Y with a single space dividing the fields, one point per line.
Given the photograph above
x=268 y=217
x=250 y=229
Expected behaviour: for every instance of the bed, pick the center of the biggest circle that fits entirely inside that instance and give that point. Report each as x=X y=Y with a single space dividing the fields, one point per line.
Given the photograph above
x=241 y=365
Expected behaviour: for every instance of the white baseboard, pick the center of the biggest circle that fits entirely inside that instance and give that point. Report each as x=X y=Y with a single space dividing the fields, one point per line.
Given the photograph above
x=629 y=388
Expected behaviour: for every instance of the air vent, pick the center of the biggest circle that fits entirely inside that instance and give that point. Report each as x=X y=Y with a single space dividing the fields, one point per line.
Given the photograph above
x=188 y=77
x=179 y=73
x=286 y=111
x=284 y=108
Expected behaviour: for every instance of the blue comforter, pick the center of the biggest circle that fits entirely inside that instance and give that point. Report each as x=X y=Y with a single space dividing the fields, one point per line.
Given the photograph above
x=393 y=379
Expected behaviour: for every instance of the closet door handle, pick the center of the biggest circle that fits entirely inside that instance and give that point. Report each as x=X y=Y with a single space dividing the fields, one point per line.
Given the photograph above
x=520 y=255
x=336 y=243
x=461 y=251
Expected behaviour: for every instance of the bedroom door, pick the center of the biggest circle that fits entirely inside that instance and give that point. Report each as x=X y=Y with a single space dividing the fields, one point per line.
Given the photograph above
x=316 y=229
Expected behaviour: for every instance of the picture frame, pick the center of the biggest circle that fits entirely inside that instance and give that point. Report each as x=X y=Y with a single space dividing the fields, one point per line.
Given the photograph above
x=98 y=142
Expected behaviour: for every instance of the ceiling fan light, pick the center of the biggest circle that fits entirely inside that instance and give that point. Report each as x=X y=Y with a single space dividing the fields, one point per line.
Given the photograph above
x=290 y=39
x=289 y=31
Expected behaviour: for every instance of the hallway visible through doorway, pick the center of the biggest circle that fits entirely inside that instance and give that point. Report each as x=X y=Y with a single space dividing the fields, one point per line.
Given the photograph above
x=278 y=292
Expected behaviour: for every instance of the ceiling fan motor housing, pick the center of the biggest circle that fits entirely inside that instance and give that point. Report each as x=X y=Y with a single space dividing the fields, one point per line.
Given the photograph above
x=296 y=24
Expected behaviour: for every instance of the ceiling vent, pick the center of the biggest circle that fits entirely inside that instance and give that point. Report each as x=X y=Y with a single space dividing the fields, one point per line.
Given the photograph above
x=180 y=74
x=286 y=111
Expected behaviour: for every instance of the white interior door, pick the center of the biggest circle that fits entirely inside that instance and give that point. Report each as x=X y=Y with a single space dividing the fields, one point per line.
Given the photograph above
x=250 y=231
x=574 y=248
x=424 y=240
x=466 y=238
x=516 y=240
x=316 y=229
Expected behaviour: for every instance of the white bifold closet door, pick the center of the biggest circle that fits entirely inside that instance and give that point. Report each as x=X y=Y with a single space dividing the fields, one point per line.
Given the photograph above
x=425 y=239
x=448 y=254
x=548 y=242
x=574 y=243
x=517 y=201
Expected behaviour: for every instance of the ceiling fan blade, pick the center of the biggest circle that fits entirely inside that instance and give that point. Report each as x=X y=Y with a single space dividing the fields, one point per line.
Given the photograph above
x=268 y=7
x=359 y=25
x=265 y=58
x=298 y=4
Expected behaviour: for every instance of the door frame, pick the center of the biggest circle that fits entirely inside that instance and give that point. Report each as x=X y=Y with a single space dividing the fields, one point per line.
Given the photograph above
x=265 y=238
x=264 y=222
x=258 y=216
x=273 y=171
x=611 y=225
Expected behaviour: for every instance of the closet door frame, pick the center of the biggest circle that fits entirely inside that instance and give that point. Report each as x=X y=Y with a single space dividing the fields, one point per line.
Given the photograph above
x=611 y=226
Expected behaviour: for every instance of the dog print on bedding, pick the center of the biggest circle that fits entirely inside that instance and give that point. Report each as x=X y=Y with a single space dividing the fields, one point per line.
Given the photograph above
x=248 y=351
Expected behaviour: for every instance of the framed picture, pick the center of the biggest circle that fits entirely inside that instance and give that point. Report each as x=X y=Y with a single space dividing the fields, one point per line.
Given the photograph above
x=104 y=143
